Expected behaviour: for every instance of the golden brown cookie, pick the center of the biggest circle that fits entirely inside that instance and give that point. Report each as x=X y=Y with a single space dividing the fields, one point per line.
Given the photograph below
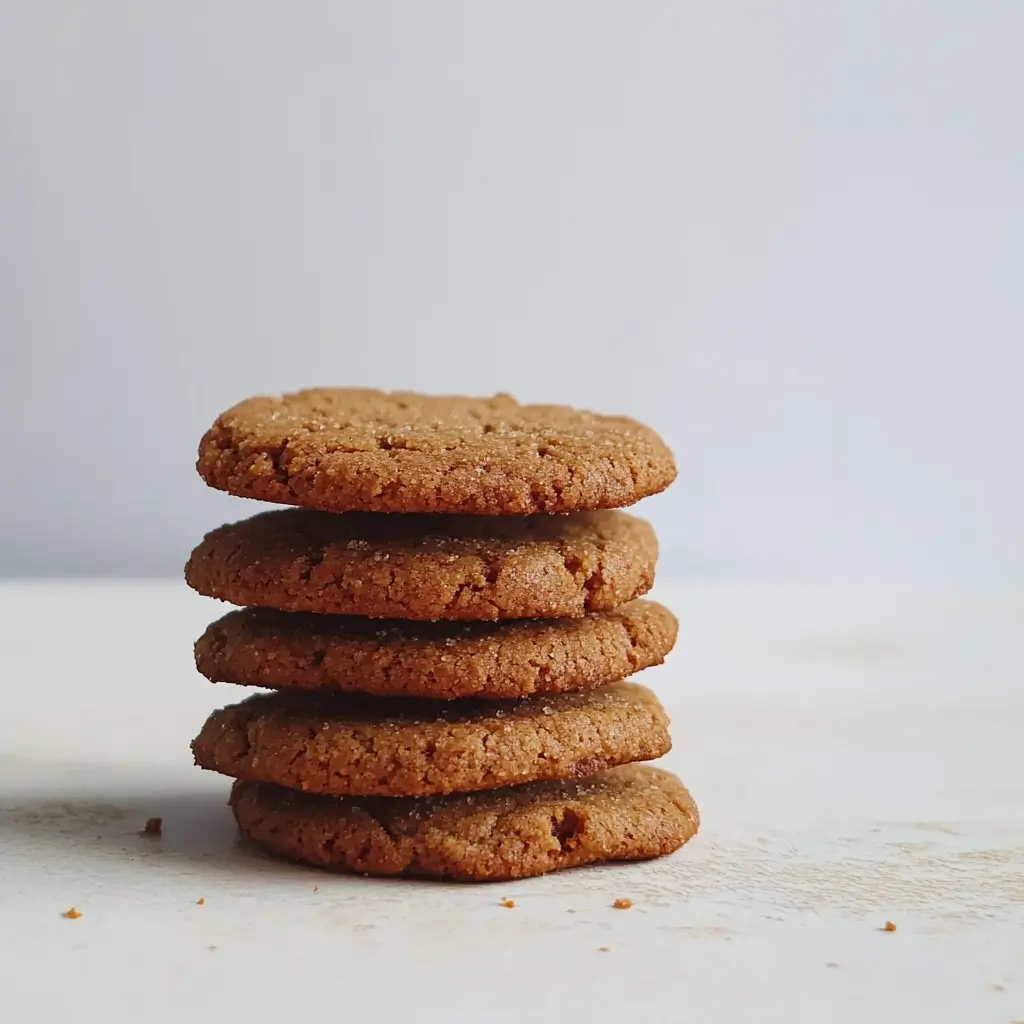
x=356 y=450
x=428 y=567
x=349 y=744
x=445 y=660
x=628 y=813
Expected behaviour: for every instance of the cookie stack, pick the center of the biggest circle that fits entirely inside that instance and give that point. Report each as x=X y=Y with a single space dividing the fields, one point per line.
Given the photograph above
x=445 y=623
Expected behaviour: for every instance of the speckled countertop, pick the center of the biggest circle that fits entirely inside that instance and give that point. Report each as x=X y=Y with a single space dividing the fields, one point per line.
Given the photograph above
x=858 y=757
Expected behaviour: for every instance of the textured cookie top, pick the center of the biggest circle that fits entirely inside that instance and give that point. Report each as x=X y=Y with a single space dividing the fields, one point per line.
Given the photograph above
x=368 y=746
x=355 y=450
x=628 y=813
x=428 y=567
x=516 y=658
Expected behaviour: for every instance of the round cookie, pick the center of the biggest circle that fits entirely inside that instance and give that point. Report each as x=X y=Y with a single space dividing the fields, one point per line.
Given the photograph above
x=628 y=813
x=357 y=450
x=369 y=746
x=428 y=567
x=496 y=660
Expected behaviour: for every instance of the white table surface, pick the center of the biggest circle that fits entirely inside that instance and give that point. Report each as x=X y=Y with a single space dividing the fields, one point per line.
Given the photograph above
x=857 y=757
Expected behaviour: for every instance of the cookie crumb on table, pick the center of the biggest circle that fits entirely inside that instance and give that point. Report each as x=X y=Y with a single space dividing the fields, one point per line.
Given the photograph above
x=622 y=904
x=889 y=927
x=201 y=902
x=602 y=949
x=508 y=904
x=72 y=914
x=153 y=827
x=316 y=888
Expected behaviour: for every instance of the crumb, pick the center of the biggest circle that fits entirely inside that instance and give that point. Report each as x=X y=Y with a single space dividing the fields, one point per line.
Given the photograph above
x=508 y=904
x=831 y=963
x=201 y=902
x=602 y=949
x=888 y=927
x=621 y=904
x=153 y=827
x=998 y=988
x=316 y=888
x=73 y=914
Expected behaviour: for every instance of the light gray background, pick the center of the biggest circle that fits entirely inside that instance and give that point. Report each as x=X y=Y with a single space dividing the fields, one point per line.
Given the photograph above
x=789 y=235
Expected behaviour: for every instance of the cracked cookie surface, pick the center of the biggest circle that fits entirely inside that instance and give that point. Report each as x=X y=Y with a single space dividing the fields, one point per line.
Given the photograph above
x=628 y=813
x=350 y=449
x=442 y=660
x=428 y=567
x=369 y=746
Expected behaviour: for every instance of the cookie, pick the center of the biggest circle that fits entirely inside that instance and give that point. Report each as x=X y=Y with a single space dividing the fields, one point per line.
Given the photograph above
x=389 y=658
x=629 y=813
x=428 y=567
x=356 y=745
x=355 y=450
